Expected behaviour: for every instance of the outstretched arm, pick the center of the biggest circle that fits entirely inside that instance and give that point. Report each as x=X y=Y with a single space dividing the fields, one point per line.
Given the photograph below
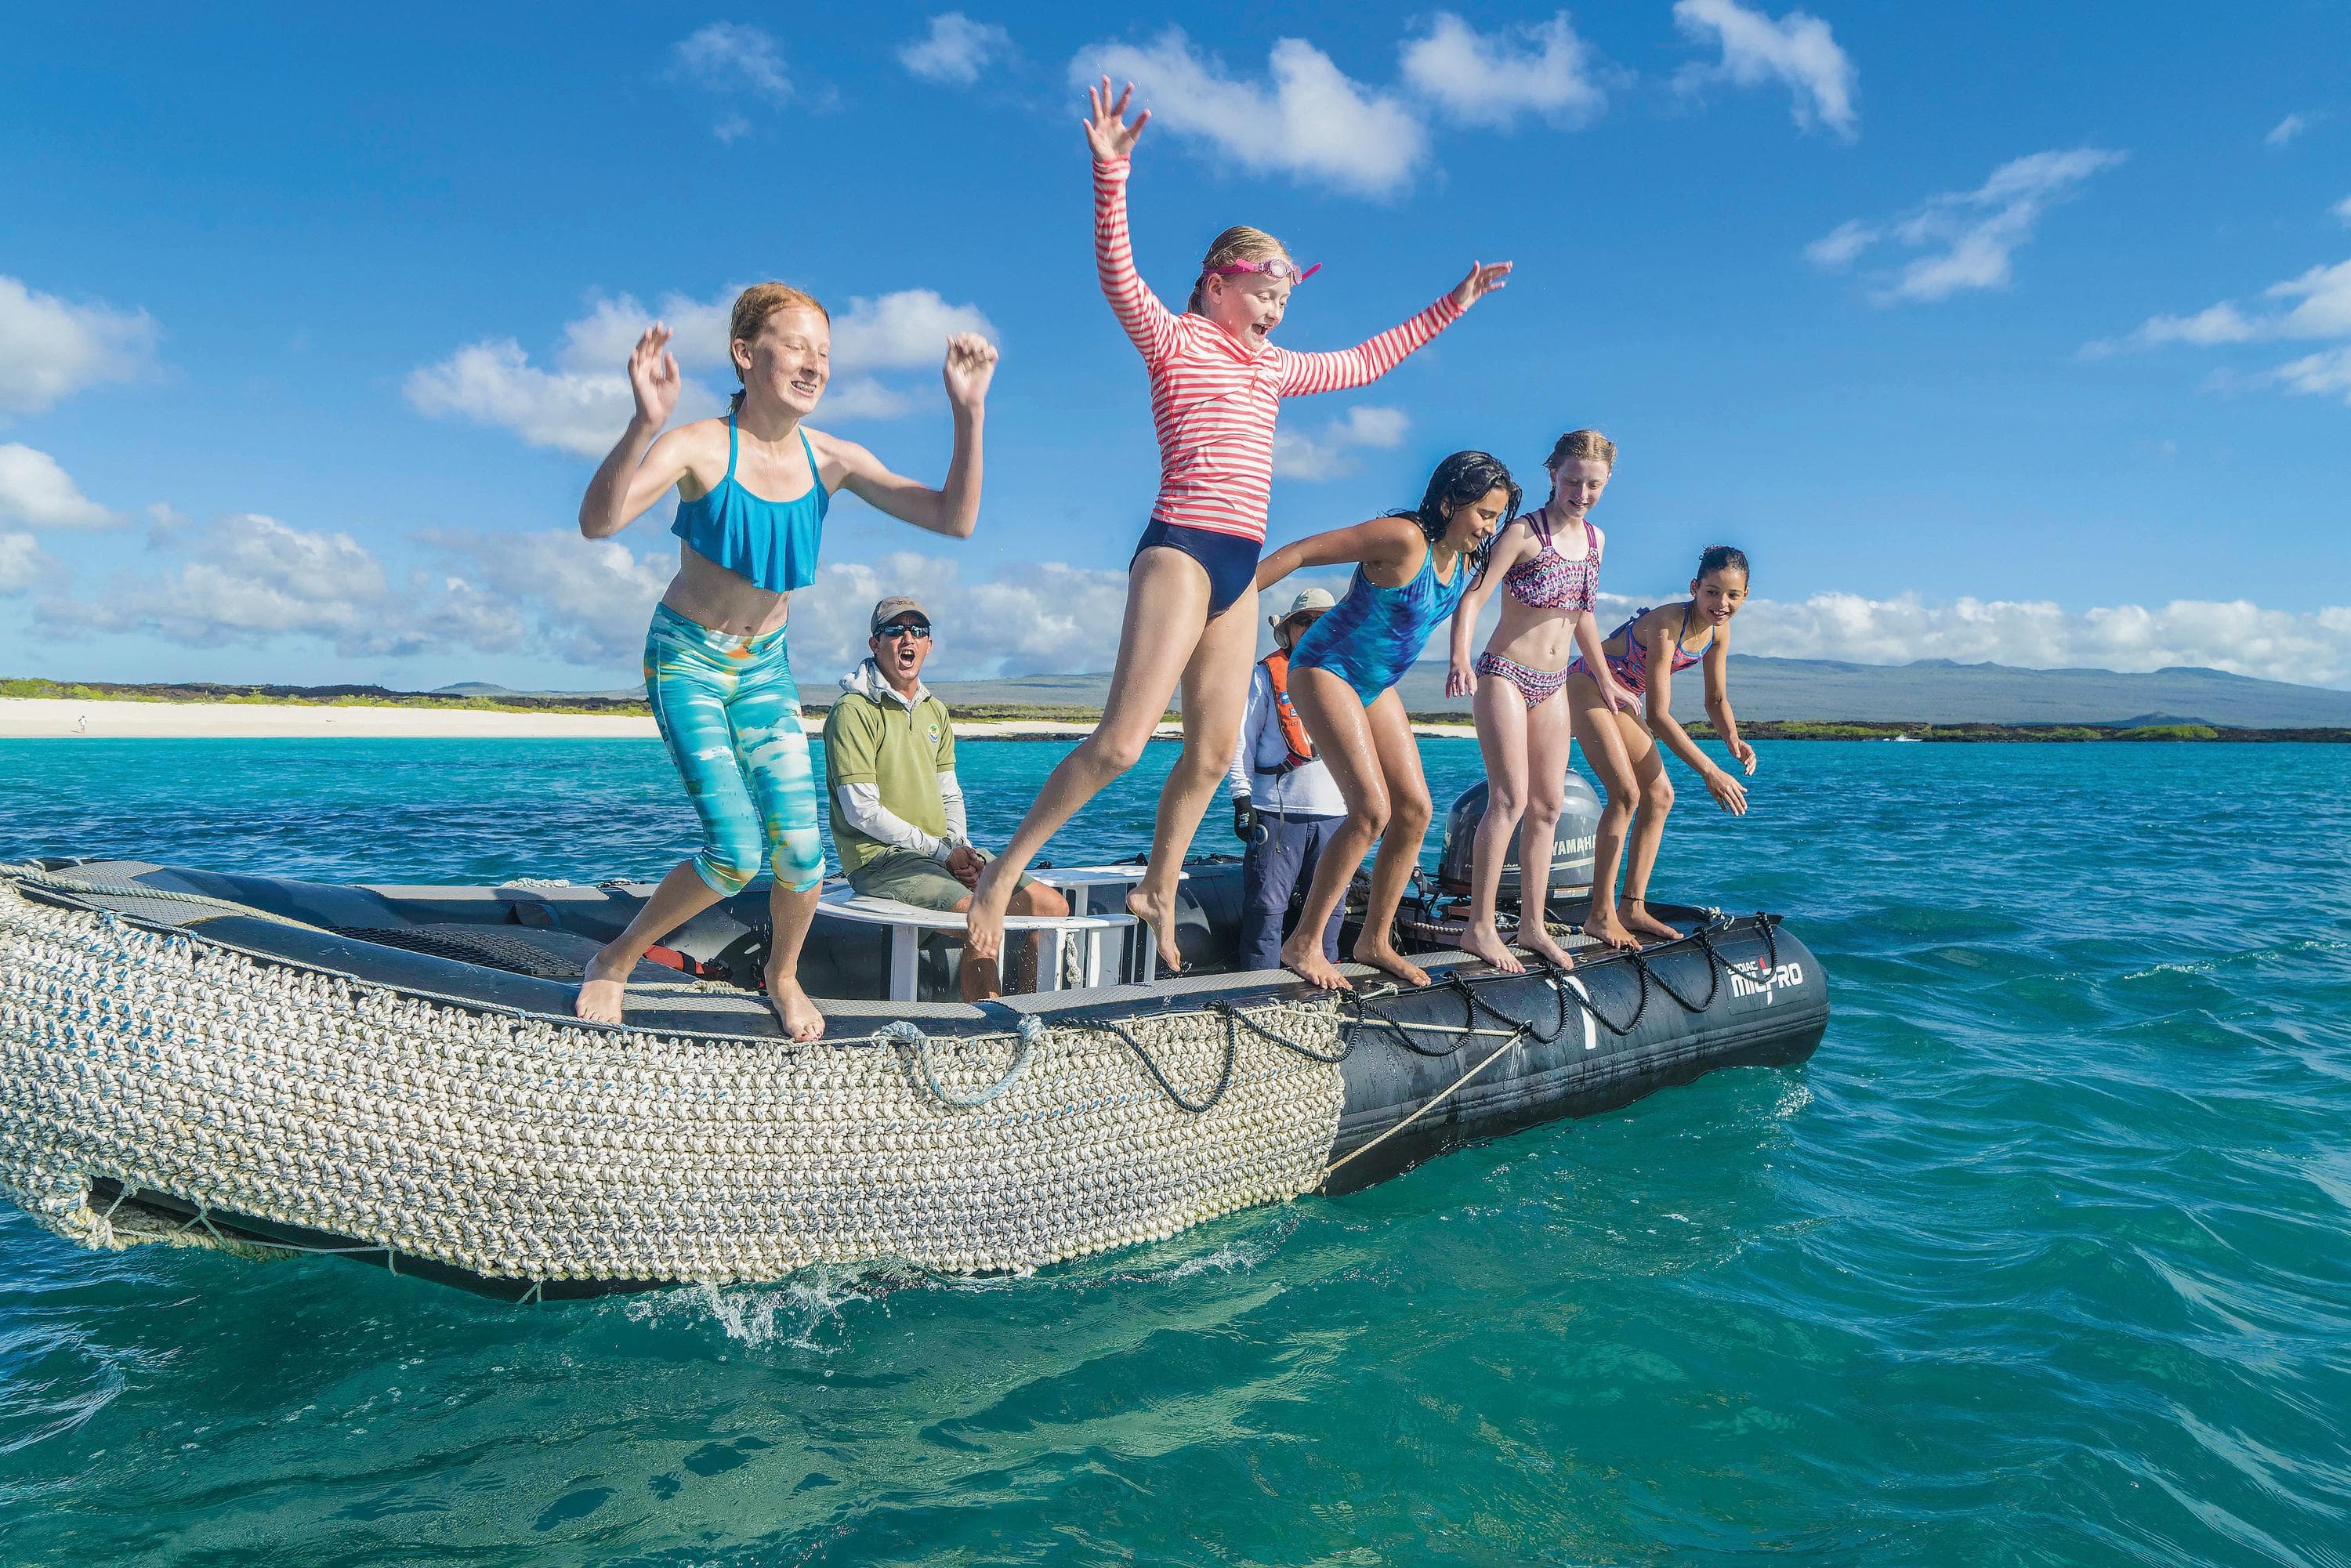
x=645 y=463
x=1379 y=539
x=1717 y=702
x=1728 y=792
x=952 y=509
x=1146 y=321
x=1368 y=361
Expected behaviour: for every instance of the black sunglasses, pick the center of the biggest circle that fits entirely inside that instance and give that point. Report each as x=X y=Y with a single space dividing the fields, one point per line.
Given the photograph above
x=897 y=628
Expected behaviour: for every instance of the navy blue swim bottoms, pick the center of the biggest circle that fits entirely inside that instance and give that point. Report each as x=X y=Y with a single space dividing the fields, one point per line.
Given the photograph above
x=1229 y=560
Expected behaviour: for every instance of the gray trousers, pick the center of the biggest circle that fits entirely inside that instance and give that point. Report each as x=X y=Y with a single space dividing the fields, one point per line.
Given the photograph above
x=1269 y=872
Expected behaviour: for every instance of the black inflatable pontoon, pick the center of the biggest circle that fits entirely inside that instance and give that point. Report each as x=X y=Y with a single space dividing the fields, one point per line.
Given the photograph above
x=390 y=1073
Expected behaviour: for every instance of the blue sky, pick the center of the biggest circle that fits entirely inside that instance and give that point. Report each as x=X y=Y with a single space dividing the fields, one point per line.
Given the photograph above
x=2010 y=334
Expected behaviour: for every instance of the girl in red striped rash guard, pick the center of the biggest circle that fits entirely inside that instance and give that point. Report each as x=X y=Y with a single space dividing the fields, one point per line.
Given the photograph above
x=1217 y=383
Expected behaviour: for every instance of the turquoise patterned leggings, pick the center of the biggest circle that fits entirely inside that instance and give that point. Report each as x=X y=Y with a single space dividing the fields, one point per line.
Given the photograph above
x=730 y=714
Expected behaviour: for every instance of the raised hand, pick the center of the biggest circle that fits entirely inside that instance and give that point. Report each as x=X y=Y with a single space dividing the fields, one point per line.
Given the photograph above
x=1107 y=132
x=652 y=376
x=1483 y=280
x=970 y=365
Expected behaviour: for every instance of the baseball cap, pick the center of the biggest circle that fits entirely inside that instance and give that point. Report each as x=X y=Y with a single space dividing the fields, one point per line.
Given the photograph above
x=898 y=604
x=1312 y=599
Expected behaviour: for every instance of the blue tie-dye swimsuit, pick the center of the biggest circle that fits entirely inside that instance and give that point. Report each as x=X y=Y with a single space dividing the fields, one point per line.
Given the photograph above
x=1376 y=633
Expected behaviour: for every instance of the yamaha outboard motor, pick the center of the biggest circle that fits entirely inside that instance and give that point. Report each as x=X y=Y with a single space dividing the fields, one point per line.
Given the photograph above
x=1571 y=848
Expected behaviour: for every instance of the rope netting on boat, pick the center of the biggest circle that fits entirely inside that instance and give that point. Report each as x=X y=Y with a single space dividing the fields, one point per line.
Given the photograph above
x=522 y=1147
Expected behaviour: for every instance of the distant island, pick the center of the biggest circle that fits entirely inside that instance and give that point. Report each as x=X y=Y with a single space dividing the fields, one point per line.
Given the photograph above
x=1776 y=699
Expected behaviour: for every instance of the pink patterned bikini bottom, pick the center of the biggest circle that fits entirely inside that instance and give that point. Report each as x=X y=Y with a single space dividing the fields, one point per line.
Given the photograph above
x=1537 y=686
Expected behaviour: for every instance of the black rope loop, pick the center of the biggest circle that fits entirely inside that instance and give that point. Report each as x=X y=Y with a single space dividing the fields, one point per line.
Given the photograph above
x=1713 y=981
x=1368 y=1010
x=1223 y=1078
x=1233 y=1015
x=1601 y=1019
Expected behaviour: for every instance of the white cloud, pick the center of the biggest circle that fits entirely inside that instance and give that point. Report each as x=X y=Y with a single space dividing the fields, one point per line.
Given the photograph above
x=1311 y=121
x=2341 y=211
x=51 y=348
x=2311 y=647
x=34 y=490
x=579 y=412
x=588 y=599
x=2322 y=374
x=582 y=405
x=732 y=57
x=1323 y=454
x=1493 y=79
x=2284 y=132
x=1970 y=236
x=905 y=331
x=23 y=564
x=1799 y=50
x=251 y=579
x=956 y=49
x=2323 y=311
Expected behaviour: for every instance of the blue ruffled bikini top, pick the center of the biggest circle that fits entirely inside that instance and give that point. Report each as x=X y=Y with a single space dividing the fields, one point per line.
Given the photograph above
x=771 y=543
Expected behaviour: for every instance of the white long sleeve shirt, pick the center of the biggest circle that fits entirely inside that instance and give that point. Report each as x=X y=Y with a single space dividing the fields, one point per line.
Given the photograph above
x=1254 y=775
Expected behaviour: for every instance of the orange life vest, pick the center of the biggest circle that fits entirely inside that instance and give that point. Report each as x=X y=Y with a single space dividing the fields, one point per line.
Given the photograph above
x=1293 y=728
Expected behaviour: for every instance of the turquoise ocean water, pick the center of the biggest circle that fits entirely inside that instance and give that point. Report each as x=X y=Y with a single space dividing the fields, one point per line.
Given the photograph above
x=2045 y=1258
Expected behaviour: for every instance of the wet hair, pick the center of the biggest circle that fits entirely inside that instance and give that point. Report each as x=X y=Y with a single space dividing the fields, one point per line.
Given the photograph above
x=1722 y=558
x=752 y=308
x=1580 y=444
x=1238 y=242
x=1460 y=481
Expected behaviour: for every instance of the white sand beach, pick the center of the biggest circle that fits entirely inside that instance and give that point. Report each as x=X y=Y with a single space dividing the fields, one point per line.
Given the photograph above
x=30 y=718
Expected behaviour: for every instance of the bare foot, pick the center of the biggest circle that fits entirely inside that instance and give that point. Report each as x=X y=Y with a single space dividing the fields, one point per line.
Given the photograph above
x=1601 y=926
x=1538 y=941
x=1483 y=941
x=1380 y=956
x=1159 y=913
x=1637 y=919
x=984 y=921
x=793 y=1010
x=1305 y=960
x=603 y=987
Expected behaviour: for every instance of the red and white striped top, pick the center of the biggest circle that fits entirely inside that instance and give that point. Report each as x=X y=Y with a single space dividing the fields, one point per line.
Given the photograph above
x=1214 y=398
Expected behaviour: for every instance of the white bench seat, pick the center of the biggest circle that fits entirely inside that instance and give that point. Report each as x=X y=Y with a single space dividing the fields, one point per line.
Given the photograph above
x=908 y=923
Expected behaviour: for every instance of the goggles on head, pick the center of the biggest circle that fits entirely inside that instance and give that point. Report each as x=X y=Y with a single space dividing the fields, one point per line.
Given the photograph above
x=1278 y=268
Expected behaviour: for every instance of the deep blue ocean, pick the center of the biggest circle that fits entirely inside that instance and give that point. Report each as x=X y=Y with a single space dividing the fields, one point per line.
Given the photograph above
x=2045 y=1258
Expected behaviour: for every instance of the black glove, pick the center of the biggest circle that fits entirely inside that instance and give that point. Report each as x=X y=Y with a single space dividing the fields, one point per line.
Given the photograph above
x=1245 y=826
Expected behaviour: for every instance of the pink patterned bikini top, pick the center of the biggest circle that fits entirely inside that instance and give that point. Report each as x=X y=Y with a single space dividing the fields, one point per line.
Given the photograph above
x=1548 y=580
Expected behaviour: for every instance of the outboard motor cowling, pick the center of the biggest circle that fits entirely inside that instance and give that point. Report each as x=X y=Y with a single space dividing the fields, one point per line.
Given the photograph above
x=1571 y=850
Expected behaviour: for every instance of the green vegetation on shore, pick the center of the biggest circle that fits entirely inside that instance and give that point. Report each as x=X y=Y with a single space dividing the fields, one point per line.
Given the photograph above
x=1055 y=713
x=312 y=696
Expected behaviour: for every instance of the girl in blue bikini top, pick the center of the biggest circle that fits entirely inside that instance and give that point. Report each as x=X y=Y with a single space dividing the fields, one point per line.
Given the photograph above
x=717 y=672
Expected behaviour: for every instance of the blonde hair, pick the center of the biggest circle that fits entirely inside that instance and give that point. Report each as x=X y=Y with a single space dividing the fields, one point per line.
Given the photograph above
x=1580 y=444
x=1238 y=242
x=752 y=308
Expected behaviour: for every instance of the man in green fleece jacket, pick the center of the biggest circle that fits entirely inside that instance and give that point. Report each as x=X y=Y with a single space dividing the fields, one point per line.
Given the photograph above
x=897 y=808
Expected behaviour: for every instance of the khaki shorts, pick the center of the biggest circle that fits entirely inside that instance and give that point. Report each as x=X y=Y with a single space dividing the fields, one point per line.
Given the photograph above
x=915 y=879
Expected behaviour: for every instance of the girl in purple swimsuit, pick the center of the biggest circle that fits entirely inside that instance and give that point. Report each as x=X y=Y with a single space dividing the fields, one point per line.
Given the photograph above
x=1548 y=564
x=1621 y=742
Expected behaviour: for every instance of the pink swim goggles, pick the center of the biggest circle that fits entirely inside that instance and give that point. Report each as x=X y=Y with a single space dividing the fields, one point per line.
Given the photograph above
x=1278 y=268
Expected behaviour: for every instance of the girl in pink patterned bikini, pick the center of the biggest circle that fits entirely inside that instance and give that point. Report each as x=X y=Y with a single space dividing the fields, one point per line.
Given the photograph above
x=1548 y=564
x=1621 y=739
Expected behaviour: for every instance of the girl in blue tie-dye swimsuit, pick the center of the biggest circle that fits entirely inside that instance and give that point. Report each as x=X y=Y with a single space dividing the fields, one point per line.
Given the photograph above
x=716 y=669
x=1411 y=569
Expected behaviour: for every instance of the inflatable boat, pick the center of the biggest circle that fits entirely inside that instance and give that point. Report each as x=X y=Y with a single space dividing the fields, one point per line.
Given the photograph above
x=391 y=1073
